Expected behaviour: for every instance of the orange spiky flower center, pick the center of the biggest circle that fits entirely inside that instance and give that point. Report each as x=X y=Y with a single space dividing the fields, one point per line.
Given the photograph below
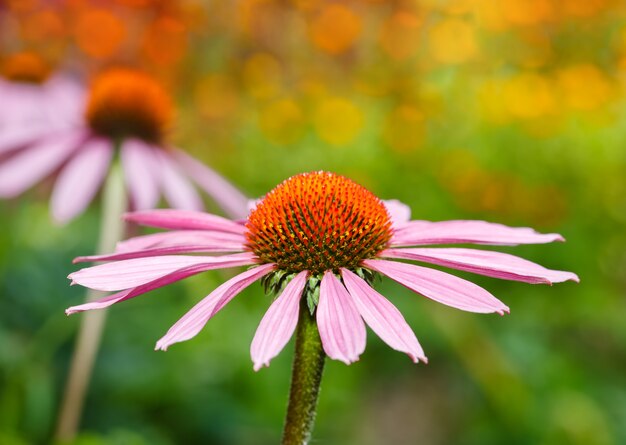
x=25 y=67
x=127 y=103
x=318 y=221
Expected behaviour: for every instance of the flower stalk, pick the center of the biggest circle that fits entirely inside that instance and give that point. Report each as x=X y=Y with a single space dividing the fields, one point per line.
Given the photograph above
x=114 y=203
x=306 y=377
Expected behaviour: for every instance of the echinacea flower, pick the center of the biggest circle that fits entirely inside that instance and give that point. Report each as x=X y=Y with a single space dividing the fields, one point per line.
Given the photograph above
x=318 y=237
x=33 y=101
x=127 y=112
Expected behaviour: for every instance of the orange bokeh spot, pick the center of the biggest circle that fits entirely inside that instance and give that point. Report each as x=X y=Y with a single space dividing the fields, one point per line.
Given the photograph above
x=43 y=25
x=528 y=12
x=400 y=35
x=165 y=41
x=25 y=67
x=336 y=29
x=318 y=221
x=584 y=87
x=99 y=33
x=129 y=103
x=452 y=41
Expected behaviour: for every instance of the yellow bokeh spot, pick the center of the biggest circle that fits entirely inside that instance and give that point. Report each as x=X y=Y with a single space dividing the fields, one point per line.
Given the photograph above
x=262 y=76
x=452 y=41
x=404 y=128
x=584 y=87
x=99 y=33
x=337 y=121
x=490 y=101
x=529 y=95
x=400 y=35
x=216 y=97
x=282 y=121
x=335 y=29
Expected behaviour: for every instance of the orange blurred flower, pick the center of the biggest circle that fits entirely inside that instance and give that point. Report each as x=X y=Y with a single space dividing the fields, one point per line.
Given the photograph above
x=99 y=33
x=335 y=29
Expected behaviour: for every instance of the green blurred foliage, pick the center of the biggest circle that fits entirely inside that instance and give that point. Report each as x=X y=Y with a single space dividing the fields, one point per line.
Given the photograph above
x=504 y=111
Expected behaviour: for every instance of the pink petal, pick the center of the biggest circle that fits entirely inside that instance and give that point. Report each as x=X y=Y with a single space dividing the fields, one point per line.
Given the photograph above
x=140 y=171
x=227 y=196
x=157 y=251
x=193 y=321
x=16 y=137
x=180 y=238
x=184 y=220
x=477 y=232
x=80 y=179
x=341 y=327
x=439 y=286
x=25 y=168
x=484 y=262
x=278 y=323
x=399 y=212
x=131 y=273
x=383 y=317
x=176 y=187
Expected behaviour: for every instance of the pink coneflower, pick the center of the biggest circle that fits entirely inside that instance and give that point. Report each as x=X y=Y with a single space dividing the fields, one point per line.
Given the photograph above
x=127 y=112
x=33 y=102
x=317 y=238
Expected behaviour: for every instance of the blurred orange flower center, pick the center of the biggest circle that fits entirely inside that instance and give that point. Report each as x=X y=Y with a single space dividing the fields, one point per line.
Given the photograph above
x=25 y=67
x=318 y=221
x=126 y=103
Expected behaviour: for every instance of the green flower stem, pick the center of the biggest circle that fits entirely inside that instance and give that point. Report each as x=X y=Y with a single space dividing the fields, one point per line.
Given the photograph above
x=92 y=322
x=308 y=365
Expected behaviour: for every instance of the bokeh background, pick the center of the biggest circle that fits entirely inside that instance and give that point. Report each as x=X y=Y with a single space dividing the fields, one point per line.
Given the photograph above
x=511 y=111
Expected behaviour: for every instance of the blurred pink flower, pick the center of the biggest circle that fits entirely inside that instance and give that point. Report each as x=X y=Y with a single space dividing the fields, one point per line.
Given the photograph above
x=321 y=237
x=124 y=109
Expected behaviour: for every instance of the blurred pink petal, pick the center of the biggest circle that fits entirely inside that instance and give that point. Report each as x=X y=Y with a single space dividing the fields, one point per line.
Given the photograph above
x=157 y=251
x=184 y=220
x=193 y=321
x=439 y=286
x=135 y=272
x=141 y=171
x=80 y=179
x=477 y=232
x=178 y=238
x=483 y=262
x=16 y=137
x=24 y=169
x=383 y=317
x=178 y=191
x=234 y=203
x=341 y=327
x=278 y=323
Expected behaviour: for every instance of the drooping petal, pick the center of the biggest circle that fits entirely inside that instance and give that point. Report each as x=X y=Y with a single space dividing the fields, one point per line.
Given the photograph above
x=135 y=272
x=80 y=179
x=483 y=262
x=278 y=323
x=193 y=321
x=24 y=169
x=341 y=327
x=141 y=171
x=184 y=220
x=439 y=286
x=399 y=212
x=180 y=238
x=158 y=251
x=383 y=317
x=476 y=232
x=234 y=203
x=15 y=137
x=177 y=189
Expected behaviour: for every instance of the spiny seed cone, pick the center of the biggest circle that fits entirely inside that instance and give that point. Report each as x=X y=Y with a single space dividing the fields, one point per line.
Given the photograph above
x=128 y=103
x=318 y=221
